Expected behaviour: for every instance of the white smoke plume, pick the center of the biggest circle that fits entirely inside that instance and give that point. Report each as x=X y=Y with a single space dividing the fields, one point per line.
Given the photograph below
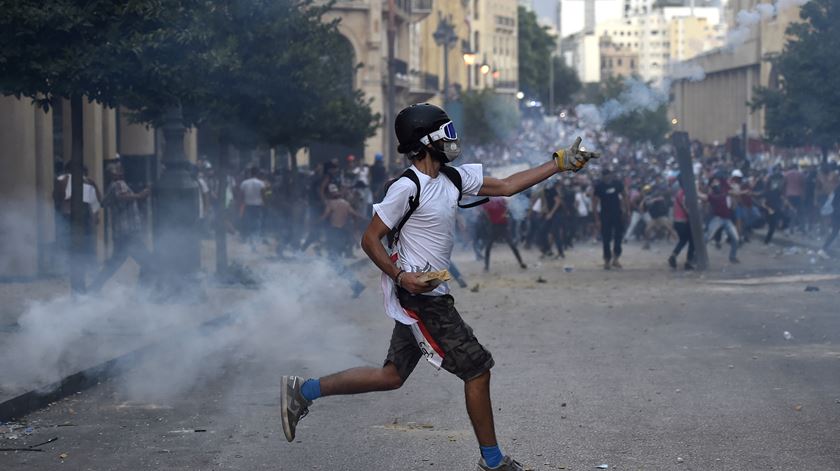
x=296 y=314
x=636 y=96
x=745 y=20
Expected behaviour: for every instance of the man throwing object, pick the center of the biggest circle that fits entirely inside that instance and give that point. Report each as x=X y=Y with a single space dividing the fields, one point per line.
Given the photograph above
x=418 y=212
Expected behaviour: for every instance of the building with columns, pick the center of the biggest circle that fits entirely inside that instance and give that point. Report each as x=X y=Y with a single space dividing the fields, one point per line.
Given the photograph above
x=34 y=145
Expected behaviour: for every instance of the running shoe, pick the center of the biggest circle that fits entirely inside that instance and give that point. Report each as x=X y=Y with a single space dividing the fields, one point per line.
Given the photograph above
x=508 y=464
x=293 y=406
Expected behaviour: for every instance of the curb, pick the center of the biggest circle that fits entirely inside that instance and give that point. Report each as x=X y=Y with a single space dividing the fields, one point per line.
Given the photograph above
x=37 y=399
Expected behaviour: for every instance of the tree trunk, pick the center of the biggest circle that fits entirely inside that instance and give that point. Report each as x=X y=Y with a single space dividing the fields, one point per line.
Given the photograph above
x=77 y=205
x=221 y=211
x=824 y=150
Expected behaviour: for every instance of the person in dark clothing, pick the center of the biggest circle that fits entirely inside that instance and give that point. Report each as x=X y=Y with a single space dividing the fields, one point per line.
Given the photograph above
x=683 y=229
x=553 y=225
x=775 y=204
x=499 y=228
x=608 y=201
x=378 y=174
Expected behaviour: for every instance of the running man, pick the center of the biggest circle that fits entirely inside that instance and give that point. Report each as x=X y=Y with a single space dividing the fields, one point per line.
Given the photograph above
x=427 y=323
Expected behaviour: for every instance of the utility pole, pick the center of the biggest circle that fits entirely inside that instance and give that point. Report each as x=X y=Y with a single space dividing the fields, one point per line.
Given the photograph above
x=683 y=147
x=390 y=99
x=551 y=84
x=445 y=36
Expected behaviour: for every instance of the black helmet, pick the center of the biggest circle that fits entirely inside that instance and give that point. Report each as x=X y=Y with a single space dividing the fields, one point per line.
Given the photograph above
x=424 y=121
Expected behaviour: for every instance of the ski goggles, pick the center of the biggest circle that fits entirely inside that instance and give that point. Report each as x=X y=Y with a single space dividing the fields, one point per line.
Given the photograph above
x=446 y=132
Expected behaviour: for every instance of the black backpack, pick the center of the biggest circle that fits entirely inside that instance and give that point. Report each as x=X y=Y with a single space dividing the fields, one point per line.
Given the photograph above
x=414 y=201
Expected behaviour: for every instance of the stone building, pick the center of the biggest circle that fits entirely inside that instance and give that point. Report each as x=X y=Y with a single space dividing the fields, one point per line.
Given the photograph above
x=715 y=108
x=33 y=146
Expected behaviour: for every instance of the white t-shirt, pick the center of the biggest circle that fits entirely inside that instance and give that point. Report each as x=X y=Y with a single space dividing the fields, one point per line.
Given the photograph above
x=426 y=240
x=252 y=191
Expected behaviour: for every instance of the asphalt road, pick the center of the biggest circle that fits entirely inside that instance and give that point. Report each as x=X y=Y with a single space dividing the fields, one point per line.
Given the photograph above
x=640 y=369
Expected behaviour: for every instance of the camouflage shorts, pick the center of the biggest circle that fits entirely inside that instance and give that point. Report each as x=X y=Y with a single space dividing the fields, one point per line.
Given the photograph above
x=447 y=334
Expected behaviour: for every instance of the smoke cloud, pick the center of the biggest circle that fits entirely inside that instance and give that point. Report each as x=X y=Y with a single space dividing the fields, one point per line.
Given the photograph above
x=746 y=19
x=295 y=314
x=636 y=96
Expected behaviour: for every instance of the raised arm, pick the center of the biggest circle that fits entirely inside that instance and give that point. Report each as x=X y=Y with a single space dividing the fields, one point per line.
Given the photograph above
x=518 y=181
x=571 y=159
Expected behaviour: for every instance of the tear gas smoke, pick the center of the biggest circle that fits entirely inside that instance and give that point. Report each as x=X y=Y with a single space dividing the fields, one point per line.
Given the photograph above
x=295 y=314
x=746 y=19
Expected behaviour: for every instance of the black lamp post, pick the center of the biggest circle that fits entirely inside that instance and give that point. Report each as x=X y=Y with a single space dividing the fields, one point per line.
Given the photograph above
x=177 y=244
x=445 y=36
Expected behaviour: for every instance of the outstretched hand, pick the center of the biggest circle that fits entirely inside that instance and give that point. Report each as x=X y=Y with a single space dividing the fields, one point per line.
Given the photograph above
x=573 y=159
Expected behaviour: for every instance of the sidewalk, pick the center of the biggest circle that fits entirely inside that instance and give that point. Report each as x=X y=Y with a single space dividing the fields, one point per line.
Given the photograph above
x=48 y=336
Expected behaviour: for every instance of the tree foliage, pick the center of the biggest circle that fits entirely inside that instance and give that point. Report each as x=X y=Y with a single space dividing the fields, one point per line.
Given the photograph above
x=535 y=47
x=566 y=82
x=262 y=71
x=634 y=110
x=805 y=107
x=488 y=116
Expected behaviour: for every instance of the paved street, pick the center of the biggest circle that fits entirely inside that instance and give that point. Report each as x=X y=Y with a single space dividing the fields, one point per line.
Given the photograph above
x=642 y=368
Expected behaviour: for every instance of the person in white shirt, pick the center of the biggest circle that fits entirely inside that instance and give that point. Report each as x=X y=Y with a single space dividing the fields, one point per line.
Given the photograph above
x=426 y=321
x=252 y=195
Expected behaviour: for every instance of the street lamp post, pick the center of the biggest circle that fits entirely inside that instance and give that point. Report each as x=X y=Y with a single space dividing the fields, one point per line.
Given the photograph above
x=469 y=61
x=177 y=244
x=485 y=69
x=445 y=36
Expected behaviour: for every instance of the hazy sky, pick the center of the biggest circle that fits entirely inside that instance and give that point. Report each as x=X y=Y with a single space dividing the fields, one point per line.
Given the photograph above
x=573 y=12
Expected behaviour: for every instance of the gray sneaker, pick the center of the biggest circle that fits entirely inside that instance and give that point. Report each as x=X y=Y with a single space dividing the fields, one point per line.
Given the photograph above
x=293 y=406
x=508 y=464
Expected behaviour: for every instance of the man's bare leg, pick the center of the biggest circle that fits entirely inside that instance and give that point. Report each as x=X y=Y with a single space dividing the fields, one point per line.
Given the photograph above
x=480 y=410
x=361 y=380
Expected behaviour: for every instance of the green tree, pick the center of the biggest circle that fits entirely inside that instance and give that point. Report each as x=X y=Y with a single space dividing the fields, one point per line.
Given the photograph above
x=566 y=82
x=804 y=109
x=535 y=46
x=633 y=109
x=95 y=50
x=488 y=117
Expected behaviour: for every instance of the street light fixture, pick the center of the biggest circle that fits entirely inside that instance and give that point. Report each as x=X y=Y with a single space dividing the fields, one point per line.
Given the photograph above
x=445 y=36
x=469 y=61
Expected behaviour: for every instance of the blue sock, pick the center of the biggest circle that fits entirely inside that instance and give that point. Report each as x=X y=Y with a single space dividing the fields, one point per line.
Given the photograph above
x=311 y=389
x=492 y=455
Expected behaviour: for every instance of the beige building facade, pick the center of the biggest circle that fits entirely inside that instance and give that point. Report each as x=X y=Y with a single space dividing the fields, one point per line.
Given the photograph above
x=715 y=108
x=34 y=145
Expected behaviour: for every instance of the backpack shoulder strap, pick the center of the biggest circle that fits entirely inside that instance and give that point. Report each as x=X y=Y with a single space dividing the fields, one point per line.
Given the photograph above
x=413 y=203
x=455 y=177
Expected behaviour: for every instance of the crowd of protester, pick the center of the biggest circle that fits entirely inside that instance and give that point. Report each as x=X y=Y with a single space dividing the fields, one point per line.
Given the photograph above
x=634 y=192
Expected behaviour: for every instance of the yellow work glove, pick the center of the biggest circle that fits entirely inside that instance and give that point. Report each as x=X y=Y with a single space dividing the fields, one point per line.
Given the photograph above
x=573 y=159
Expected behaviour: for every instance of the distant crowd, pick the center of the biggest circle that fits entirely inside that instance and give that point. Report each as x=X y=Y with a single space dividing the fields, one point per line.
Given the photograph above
x=635 y=192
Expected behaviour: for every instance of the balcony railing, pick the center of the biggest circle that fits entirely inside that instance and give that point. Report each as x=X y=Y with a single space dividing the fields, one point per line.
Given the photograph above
x=506 y=84
x=423 y=85
x=421 y=9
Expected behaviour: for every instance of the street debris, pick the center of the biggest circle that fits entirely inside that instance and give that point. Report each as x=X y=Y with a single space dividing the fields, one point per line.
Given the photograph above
x=568 y=268
x=680 y=460
x=787 y=335
x=797 y=407
x=811 y=289
x=474 y=289
x=603 y=466
x=186 y=430
x=541 y=280
x=62 y=456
